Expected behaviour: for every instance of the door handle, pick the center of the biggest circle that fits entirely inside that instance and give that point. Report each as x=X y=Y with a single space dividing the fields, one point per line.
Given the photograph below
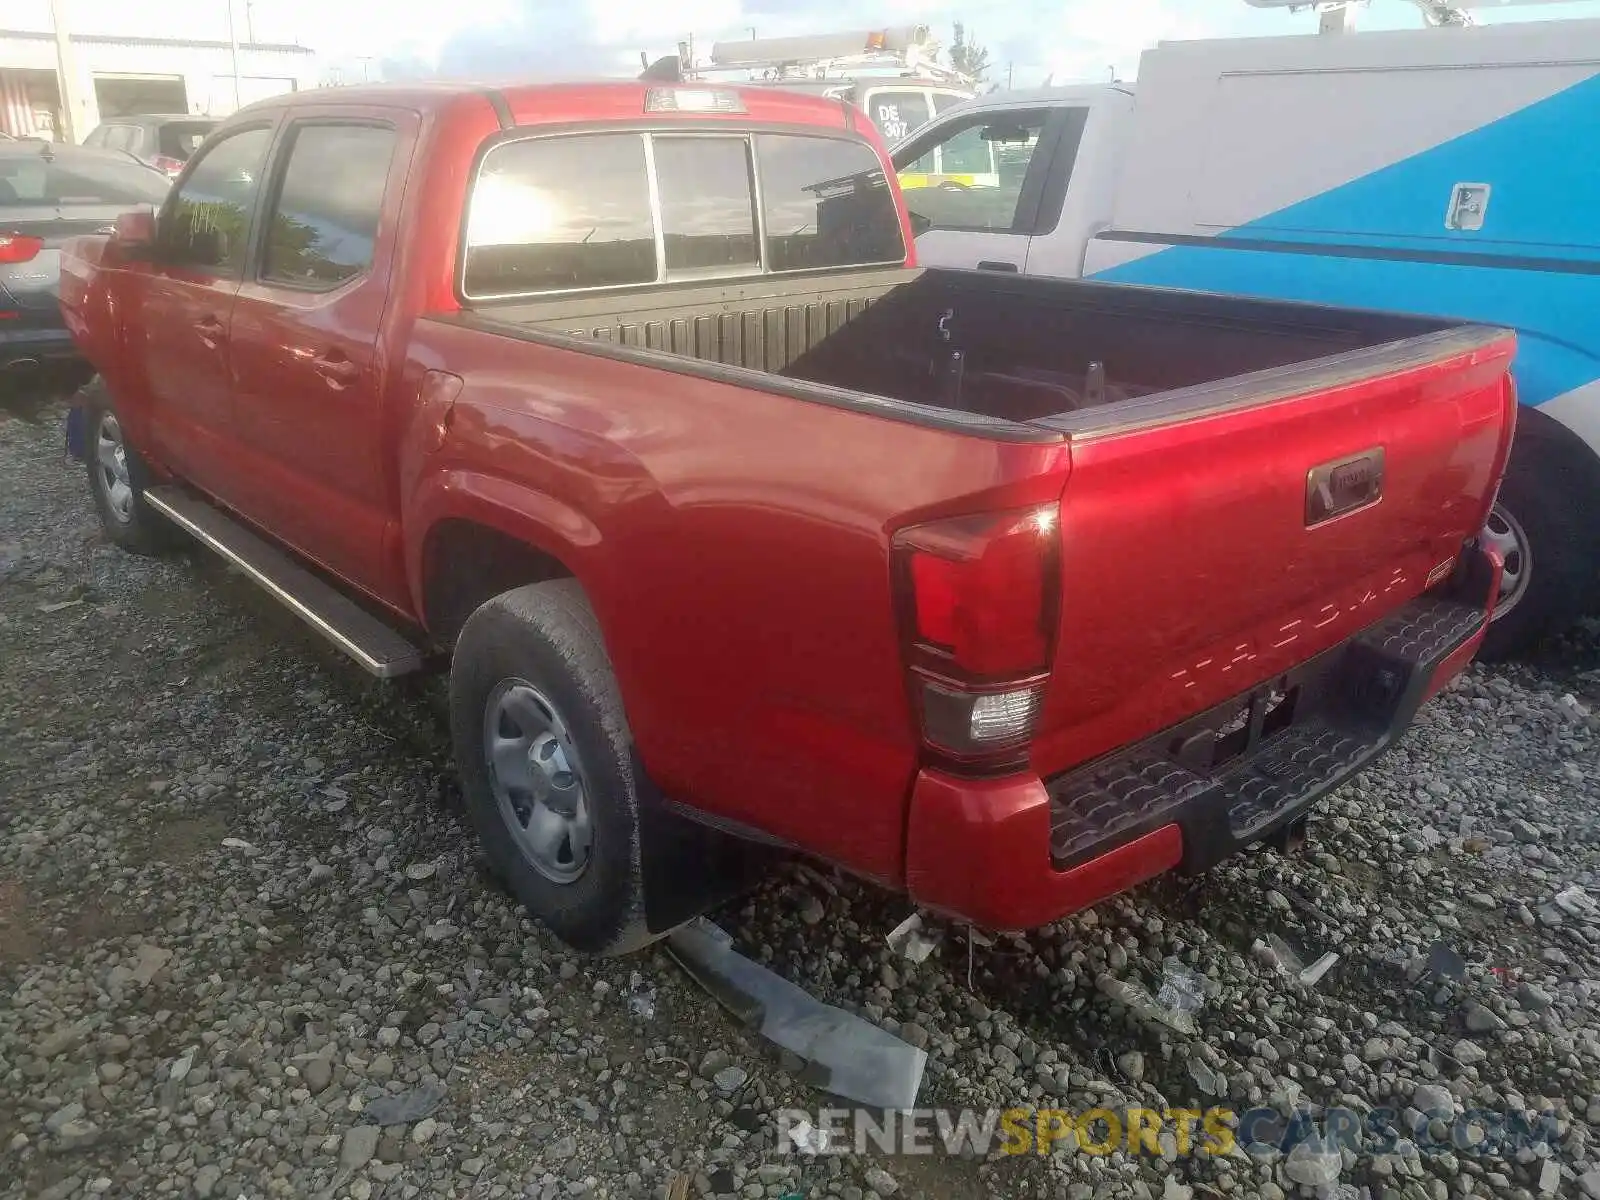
x=998 y=266
x=339 y=371
x=210 y=330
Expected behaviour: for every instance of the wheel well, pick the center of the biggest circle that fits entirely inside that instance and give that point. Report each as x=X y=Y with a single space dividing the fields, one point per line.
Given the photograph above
x=465 y=563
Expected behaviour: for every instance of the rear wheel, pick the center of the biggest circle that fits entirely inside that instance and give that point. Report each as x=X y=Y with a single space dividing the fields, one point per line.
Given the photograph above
x=544 y=753
x=117 y=479
x=1550 y=556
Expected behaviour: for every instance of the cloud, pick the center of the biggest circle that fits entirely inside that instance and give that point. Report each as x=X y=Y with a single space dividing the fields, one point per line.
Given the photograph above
x=550 y=39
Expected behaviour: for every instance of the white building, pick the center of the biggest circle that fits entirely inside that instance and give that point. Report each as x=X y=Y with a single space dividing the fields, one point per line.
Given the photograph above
x=112 y=75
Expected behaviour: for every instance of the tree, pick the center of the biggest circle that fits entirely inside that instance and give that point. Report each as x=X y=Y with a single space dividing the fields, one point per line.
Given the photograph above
x=967 y=56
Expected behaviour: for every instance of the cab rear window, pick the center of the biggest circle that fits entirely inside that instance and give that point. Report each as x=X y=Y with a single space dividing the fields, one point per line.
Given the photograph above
x=562 y=213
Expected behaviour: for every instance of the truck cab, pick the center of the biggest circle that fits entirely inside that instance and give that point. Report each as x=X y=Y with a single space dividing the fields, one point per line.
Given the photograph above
x=1016 y=182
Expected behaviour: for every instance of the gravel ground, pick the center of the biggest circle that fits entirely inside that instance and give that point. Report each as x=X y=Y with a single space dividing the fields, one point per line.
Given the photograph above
x=237 y=908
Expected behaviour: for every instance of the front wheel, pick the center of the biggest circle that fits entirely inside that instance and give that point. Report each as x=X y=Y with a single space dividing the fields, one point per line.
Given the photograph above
x=544 y=753
x=117 y=479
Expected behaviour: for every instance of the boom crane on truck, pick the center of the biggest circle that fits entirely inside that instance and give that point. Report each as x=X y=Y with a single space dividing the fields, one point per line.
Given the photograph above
x=1338 y=16
x=894 y=74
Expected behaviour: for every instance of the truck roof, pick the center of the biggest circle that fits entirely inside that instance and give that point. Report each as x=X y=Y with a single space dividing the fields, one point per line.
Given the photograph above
x=613 y=100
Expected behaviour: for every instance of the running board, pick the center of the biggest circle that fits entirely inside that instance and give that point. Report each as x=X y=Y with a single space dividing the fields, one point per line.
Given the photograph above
x=379 y=649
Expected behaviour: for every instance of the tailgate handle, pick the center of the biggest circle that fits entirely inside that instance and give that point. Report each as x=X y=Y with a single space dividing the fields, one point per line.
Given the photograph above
x=1343 y=486
x=991 y=265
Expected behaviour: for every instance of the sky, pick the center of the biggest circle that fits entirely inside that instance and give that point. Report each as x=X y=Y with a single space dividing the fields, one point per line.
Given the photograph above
x=1067 y=40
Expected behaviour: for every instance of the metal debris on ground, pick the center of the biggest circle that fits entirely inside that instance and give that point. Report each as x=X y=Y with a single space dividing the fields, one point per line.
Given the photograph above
x=641 y=997
x=405 y=1107
x=843 y=1053
x=1312 y=975
x=1182 y=990
x=910 y=942
x=60 y=606
x=975 y=937
x=808 y=1139
x=1445 y=962
x=1137 y=998
x=1576 y=902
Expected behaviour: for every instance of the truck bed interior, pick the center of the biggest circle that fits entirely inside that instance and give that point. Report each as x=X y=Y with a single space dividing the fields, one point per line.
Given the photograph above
x=990 y=346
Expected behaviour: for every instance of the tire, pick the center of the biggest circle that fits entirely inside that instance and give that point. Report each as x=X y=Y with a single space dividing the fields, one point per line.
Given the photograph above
x=117 y=479
x=1537 y=525
x=534 y=656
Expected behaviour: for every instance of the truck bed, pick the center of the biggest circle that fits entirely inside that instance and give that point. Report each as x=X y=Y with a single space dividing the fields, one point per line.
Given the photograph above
x=1065 y=355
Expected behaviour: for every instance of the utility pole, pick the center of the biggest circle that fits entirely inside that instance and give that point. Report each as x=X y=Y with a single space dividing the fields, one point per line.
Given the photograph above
x=233 y=48
x=250 y=21
x=66 y=74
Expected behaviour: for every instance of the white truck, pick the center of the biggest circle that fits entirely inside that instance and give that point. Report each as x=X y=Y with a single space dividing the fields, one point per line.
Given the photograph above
x=1444 y=171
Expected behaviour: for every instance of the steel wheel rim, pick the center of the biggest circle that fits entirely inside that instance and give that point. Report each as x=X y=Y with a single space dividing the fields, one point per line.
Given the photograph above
x=111 y=458
x=1504 y=534
x=538 y=780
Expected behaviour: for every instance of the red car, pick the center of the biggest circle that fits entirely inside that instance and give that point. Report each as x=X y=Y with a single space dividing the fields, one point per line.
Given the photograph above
x=736 y=529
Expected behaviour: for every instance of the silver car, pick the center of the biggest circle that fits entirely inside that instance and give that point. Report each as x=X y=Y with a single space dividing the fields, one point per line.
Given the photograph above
x=49 y=193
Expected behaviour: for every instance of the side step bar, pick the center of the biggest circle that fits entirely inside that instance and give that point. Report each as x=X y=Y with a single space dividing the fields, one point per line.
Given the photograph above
x=380 y=650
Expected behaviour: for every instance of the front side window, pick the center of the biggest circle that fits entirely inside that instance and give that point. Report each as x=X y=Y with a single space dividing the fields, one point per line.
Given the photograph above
x=708 y=218
x=322 y=227
x=826 y=203
x=559 y=213
x=208 y=219
x=969 y=176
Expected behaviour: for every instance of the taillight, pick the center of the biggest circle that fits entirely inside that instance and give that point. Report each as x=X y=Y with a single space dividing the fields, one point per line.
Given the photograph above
x=980 y=600
x=19 y=248
x=172 y=166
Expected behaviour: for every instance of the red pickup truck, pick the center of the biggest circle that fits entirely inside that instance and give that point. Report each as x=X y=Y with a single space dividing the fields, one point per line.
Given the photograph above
x=736 y=529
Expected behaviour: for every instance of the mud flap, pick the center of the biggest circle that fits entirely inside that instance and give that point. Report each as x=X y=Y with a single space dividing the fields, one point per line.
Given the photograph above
x=688 y=867
x=77 y=432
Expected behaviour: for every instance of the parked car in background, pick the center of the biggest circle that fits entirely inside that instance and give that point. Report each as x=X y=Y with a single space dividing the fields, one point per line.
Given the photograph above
x=626 y=401
x=49 y=193
x=1440 y=179
x=165 y=142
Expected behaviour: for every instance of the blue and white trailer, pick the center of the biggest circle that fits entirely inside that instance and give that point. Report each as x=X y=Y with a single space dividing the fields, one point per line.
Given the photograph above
x=1447 y=171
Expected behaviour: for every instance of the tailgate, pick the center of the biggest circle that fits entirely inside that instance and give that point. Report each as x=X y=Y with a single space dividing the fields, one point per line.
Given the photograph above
x=1216 y=537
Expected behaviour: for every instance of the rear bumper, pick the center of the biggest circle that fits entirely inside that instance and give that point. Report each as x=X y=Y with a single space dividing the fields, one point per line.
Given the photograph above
x=1020 y=852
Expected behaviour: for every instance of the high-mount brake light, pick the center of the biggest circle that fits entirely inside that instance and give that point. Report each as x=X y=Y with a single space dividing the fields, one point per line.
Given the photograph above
x=980 y=600
x=692 y=100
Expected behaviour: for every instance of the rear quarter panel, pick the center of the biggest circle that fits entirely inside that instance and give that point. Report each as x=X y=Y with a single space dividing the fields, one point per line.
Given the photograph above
x=734 y=544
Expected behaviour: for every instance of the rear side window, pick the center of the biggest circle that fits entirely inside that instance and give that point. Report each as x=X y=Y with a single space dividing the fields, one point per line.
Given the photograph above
x=559 y=213
x=708 y=217
x=826 y=203
x=325 y=220
x=79 y=180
